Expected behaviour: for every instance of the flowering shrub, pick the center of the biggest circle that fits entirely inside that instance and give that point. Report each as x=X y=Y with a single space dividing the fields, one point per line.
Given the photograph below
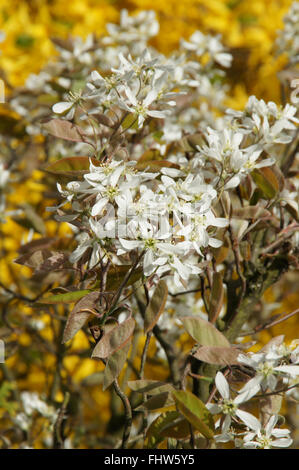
x=181 y=213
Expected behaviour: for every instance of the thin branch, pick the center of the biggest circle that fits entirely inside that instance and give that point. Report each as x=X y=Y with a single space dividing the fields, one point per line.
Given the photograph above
x=128 y=414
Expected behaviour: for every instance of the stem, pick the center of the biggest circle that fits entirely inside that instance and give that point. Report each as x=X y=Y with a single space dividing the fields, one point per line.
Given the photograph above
x=128 y=414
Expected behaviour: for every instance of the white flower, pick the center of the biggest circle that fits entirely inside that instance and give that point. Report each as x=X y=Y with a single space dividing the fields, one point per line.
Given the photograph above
x=267 y=370
x=227 y=405
x=200 y=44
x=141 y=108
x=138 y=28
x=267 y=437
x=68 y=107
x=86 y=242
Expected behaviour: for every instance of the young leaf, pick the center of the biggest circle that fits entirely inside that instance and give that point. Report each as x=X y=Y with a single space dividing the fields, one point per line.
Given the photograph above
x=64 y=130
x=204 y=332
x=70 y=166
x=195 y=412
x=65 y=298
x=114 y=339
x=156 y=306
x=116 y=275
x=77 y=318
x=161 y=400
x=158 y=428
x=115 y=364
x=217 y=355
x=250 y=212
x=266 y=181
x=151 y=387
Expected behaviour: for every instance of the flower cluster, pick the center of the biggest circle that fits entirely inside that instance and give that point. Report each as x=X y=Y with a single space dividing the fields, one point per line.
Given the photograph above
x=167 y=211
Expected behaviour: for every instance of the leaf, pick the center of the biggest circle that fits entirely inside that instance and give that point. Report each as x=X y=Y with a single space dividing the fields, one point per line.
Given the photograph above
x=65 y=298
x=130 y=122
x=115 y=365
x=103 y=119
x=195 y=412
x=189 y=143
x=161 y=400
x=179 y=429
x=33 y=259
x=39 y=244
x=77 y=318
x=114 y=339
x=250 y=212
x=55 y=261
x=158 y=428
x=266 y=181
x=155 y=165
x=70 y=166
x=151 y=387
x=156 y=306
x=116 y=275
x=217 y=355
x=64 y=130
x=216 y=298
x=204 y=332
x=149 y=156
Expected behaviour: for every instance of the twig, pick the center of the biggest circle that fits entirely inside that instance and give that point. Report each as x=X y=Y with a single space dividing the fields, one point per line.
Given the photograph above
x=58 y=431
x=267 y=325
x=128 y=414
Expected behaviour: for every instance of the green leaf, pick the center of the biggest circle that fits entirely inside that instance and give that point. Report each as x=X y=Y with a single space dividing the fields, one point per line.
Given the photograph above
x=204 y=332
x=149 y=156
x=161 y=400
x=266 y=181
x=65 y=298
x=150 y=387
x=216 y=298
x=157 y=431
x=115 y=339
x=156 y=306
x=130 y=122
x=195 y=412
x=77 y=317
x=116 y=275
x=115 y=365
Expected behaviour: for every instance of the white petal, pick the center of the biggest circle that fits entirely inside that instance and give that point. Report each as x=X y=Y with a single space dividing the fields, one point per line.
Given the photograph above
x=150 y=98
x=251 y=421
x=129 y=244
x=98 y=207
x=291 y=370
x=222 y=385
x=61 y=107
